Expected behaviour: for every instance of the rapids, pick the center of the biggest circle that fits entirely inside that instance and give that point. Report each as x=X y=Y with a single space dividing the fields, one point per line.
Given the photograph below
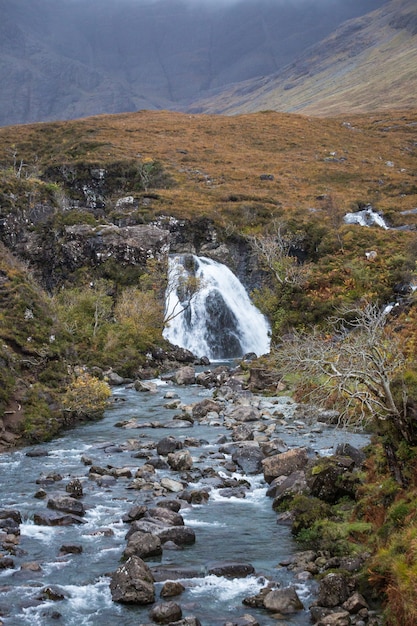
x=226 y=527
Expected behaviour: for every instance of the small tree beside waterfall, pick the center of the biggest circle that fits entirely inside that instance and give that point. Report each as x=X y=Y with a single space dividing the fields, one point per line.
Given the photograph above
x=360 y=368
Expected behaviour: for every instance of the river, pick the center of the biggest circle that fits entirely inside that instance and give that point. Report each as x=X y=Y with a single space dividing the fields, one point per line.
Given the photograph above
x=226 y=527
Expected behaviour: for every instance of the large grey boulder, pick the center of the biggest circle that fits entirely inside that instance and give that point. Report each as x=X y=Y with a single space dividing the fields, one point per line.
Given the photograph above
x=284 y=464
x=334 y=590
x=185 y=375
x=143 y=545
x=284 y=601
x=133 y=583
x=248 y=456
x=245 y=413
x=166 y=612
x=180 y=461
x=67 y=504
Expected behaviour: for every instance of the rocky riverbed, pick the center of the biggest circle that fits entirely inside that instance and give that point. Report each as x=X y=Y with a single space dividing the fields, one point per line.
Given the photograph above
x=163 y=512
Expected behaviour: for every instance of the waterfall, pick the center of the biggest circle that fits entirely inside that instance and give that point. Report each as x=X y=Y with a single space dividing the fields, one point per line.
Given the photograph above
x=217 y=319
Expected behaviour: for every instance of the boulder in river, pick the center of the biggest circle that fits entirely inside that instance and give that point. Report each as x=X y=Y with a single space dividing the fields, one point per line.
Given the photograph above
x=231 y=569
x=133 y=583
x=180 y=460
x=66 y=504
x=143 y=545
x=245 y=413
x=166 y=612
x=248 y=456
x=185 y=375
x=285 y=601
x=284 y=464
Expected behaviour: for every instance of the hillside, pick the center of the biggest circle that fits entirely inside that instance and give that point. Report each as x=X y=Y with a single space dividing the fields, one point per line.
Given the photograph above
x=90 y=210
x=367 y=64
x=69 y=59
x=92 y=207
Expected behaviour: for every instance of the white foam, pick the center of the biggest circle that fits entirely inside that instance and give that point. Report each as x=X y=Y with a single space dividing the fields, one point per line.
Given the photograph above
x=203 y=523
x=42 y=533
x=225 y=589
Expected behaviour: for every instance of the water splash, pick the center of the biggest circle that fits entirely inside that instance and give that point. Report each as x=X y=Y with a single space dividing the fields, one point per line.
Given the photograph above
x=218 y=320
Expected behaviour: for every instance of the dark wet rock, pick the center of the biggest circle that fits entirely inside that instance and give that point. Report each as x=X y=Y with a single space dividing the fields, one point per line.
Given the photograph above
x=187 y=621
x=338 y=618
x=334 y=590
x=233 y=492
x=285 y=601
x=71 y=549
x=67 y=504
x=207 y=405
x=257 y=602
x=163 y=573
x=245 y=620
x=6 y=562
x=242 y=432
x=355 y=603
x=248 y=457
x=273 y=446
x=284 y=464
x=50 y=519
x=196 y=496
x=157 y=462
x=171 y=588
x=331 y=478
x=346 y=449
x=167 y=445
x=31 y=566
x=173 y=505
x=133 y=583
x=263 y=379
x=40 y=494
x=230 y=569
x=166 y=612
x=37 y=452
x=136 y=512
x=75 y=488
x=181 y=535
x=52 y=594
x=180 y=461
x=165 y=515
x=292 y=485
x=49 y=479
x=143 y=545
x=12 y=514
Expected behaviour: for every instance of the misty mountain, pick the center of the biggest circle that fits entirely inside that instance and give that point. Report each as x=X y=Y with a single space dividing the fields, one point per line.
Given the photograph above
x=367 y=64
x=62 y=59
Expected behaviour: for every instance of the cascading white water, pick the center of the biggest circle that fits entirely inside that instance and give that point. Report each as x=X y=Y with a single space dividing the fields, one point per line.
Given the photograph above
x=218 y=320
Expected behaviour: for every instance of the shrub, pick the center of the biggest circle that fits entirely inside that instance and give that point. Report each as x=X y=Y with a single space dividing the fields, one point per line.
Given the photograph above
x=86 y=396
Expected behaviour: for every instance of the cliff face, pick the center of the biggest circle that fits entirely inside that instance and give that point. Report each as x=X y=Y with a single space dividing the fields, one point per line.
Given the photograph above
x=73 y=59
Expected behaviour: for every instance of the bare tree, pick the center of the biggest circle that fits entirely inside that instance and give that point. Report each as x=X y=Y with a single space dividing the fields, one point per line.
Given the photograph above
x=275 y=251
x=358 y=365
x=357 y=362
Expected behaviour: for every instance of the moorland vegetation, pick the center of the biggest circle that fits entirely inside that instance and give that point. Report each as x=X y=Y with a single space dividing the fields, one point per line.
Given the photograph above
x=278 y=184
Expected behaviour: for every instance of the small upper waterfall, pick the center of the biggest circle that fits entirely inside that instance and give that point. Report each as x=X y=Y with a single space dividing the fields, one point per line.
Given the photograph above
x=217 y=319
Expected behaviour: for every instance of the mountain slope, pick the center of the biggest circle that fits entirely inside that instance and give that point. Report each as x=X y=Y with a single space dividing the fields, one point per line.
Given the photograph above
x=368 y=64
x=73 y=58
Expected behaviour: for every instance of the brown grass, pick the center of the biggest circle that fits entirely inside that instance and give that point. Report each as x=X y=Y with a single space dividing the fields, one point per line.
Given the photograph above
x=217 y=161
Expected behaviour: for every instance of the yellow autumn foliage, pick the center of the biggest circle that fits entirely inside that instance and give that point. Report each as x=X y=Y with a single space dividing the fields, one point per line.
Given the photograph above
x=86 y=396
